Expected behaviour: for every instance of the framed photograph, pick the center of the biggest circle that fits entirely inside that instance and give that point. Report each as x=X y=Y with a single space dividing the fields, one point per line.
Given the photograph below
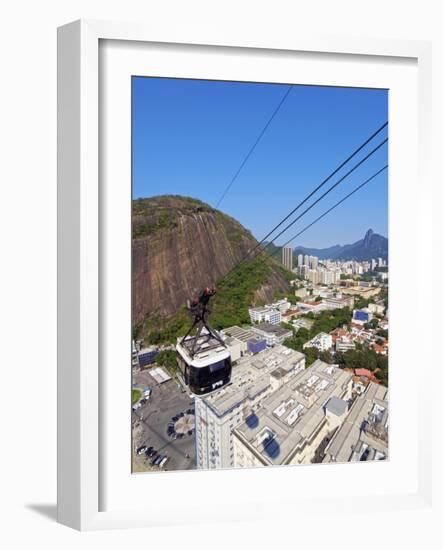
x=235 y=218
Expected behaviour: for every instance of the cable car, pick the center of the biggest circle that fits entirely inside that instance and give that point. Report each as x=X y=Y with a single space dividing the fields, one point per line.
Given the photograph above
x=204 y=359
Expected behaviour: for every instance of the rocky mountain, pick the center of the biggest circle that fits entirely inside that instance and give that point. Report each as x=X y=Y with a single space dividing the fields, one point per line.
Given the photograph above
x=371 y=246
x=181 y=245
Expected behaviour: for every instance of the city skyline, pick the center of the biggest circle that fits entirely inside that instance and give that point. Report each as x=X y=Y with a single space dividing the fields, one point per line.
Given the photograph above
x=190 y=136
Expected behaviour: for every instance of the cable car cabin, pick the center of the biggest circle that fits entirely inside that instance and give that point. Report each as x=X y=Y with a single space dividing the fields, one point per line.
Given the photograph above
x=205 y=363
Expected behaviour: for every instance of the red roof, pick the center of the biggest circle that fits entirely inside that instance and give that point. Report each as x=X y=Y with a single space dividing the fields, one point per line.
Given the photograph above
x=367 y=374
x=364 y=372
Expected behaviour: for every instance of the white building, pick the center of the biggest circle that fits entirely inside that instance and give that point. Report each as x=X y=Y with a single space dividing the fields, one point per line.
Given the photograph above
x=217 y=414
x=265 y=314
x=344 y=344
x=281 y=305
x=299 y=260
x=322 y=341
x=287 y=257
x=328 y=277
x=292 y=422
x=236 y=347
x=364 y=434
x=377 y=308
x=273 y=334
x=339 y=303
x=301 y=292
x=313 y=276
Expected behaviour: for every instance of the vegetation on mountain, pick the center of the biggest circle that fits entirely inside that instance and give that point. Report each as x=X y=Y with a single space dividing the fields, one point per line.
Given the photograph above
x=181 y=245
x=235 y=294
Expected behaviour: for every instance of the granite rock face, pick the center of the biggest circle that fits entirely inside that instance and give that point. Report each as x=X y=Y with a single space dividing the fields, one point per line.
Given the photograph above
x=181 y=245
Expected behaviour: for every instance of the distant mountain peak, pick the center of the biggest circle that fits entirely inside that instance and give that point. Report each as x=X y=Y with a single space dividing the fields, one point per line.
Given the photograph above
x=367 y=238
x=371 y=246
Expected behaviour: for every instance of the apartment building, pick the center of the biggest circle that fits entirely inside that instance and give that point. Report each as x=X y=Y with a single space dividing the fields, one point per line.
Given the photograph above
x=322 y=341
x=364 y=433
x=265 y=315
x=287 y=257
x=339 y=303
x=292 y=422
x=218 y=414
x=273 y=334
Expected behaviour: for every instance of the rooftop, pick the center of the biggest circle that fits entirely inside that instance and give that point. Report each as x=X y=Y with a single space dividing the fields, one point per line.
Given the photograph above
x=252 y=376
x=203 y=345
x=243 y=334
x=337 y=406
x=364 y=433
x=272 y=329
x=292 y=414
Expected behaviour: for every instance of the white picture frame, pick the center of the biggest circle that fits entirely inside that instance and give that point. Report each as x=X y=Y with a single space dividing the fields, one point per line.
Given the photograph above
x=81 y=210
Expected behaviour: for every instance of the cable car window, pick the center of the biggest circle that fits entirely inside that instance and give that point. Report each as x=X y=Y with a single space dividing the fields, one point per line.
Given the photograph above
x=217 y=366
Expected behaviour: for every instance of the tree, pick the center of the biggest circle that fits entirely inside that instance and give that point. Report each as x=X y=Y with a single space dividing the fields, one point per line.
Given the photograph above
x=154 y=337
x=311 y=355
x=325 y=356
x=287 y=326
x=371 y=324
x=166 y=358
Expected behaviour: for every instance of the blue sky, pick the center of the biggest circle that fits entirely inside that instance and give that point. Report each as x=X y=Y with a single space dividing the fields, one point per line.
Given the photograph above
x=190 y=136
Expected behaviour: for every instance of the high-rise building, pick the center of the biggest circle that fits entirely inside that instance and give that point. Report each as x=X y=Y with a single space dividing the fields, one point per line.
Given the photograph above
x=314 y=262
x=219 y=413
x=300 y=260
x=312 y=276
x=294 y=419
x=328 y=276
x=306 y=260
x=287 y=257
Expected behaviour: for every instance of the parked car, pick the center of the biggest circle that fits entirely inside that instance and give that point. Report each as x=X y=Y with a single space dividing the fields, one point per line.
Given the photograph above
x=142 y=449
x=154 y=458
x=163 y=461
x=158 y=460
